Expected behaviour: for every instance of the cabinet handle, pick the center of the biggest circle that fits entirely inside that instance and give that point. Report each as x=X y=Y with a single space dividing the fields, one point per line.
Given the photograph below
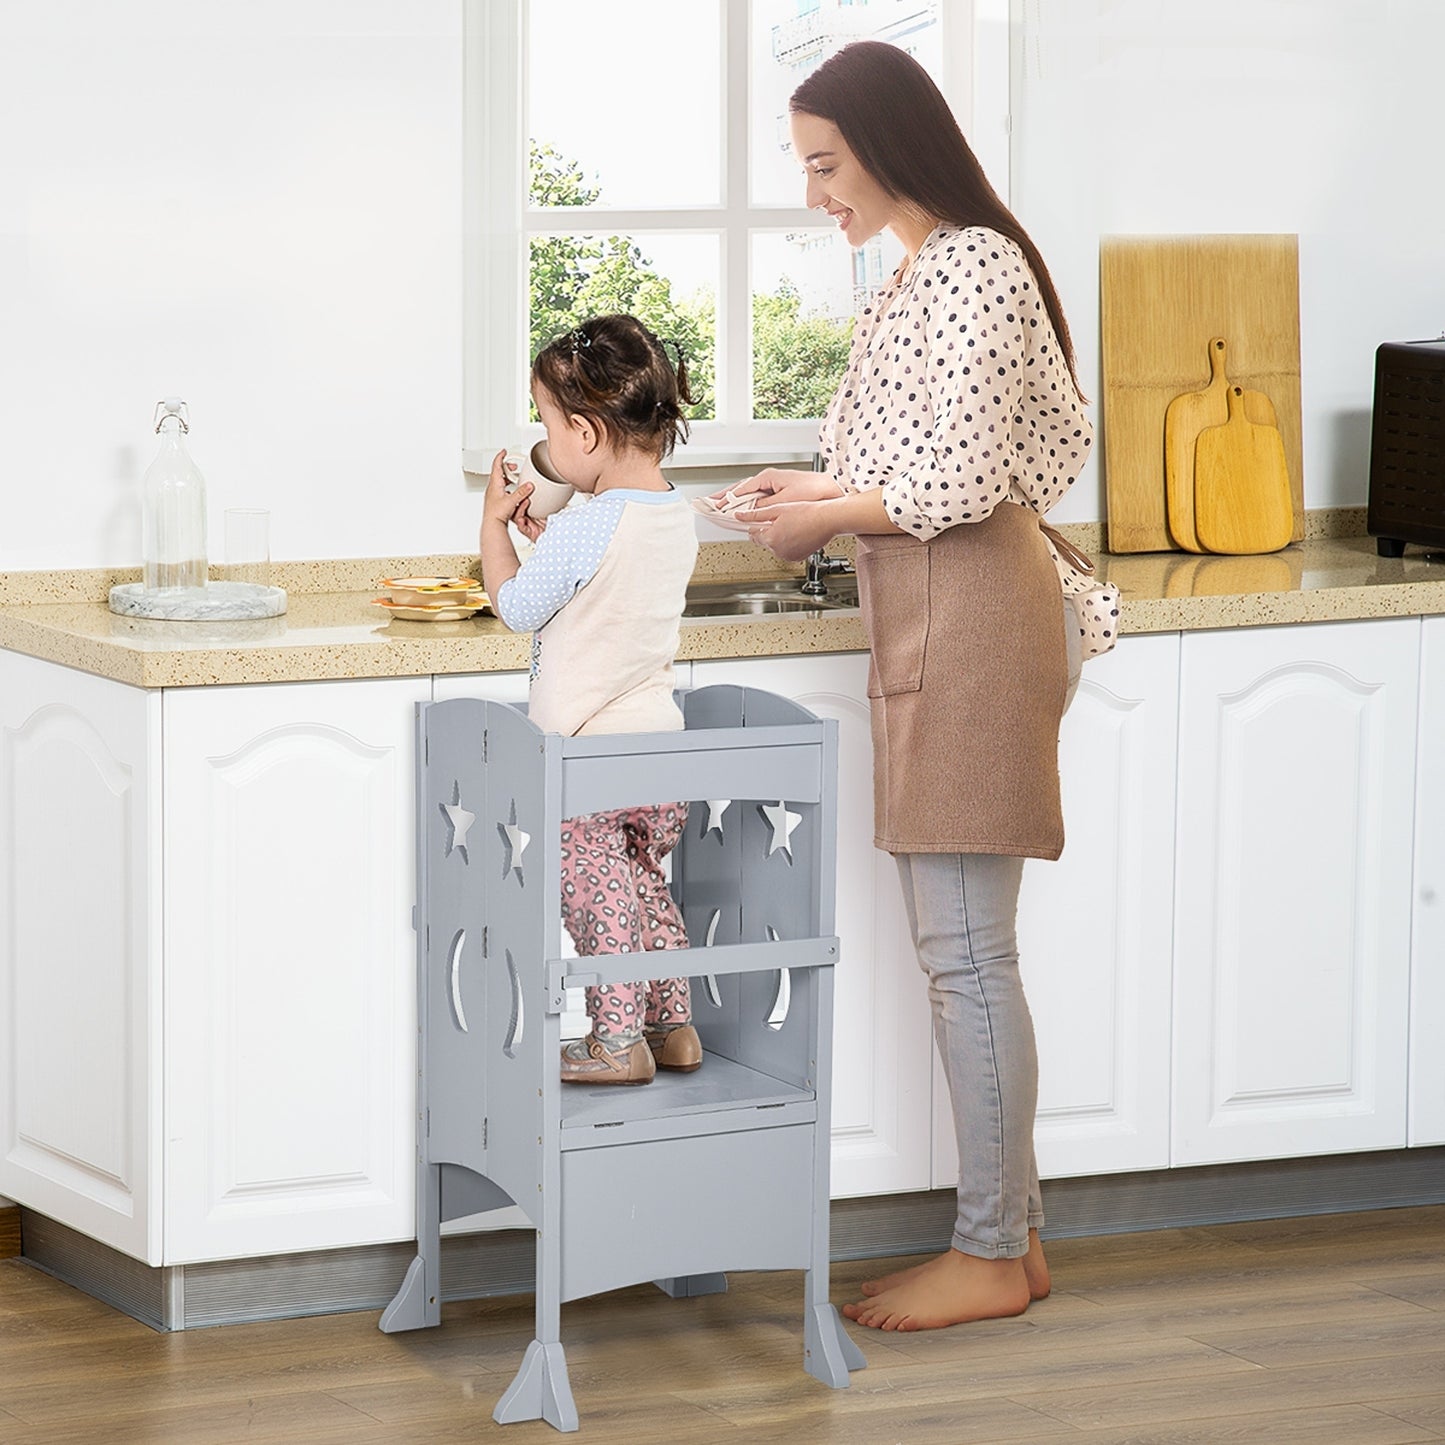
x=458 y=943
x=517 y=1023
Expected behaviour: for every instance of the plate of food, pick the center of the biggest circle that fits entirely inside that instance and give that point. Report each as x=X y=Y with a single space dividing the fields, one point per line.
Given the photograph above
x=436 y=611
x=430 y=591
x=433 y=599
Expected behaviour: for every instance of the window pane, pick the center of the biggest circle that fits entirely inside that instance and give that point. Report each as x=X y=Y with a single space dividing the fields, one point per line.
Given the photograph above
x=805 y=293
x=790 y=39
x=629 y=95
x=667 y=279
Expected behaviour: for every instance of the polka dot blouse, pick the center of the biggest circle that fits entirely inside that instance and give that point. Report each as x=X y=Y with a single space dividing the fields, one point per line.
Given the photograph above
x=957 y=394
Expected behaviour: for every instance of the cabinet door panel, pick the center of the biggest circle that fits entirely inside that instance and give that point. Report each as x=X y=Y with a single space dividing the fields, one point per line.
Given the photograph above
x=882 y=1043
x=1297 y=750
x=1095 y=928
x=1427 y=979
x=79 y=997
x=290 y=966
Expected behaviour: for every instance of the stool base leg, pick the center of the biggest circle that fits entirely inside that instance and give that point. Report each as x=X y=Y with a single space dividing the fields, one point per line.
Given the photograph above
x=828 y=1353
x=540 y=1390
x=415 y=1306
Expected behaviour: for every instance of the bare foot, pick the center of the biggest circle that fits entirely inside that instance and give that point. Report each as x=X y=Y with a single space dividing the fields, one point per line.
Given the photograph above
x=1036 y=1271
x=950 y=1290
x=1036 y=1268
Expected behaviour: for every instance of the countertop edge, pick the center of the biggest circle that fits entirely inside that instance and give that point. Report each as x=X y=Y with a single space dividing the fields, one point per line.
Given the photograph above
x=1321 y=580
x=1268 y=609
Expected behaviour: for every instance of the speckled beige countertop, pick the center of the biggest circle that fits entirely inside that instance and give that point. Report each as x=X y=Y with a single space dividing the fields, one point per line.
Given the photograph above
x=332 y=631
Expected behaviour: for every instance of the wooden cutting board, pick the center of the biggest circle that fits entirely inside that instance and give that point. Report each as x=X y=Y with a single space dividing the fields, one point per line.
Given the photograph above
x=1241 y=485
x=1184 y=418
x=1161 y=298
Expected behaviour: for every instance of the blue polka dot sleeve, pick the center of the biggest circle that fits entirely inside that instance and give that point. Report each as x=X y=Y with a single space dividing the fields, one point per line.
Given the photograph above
x=567 y=557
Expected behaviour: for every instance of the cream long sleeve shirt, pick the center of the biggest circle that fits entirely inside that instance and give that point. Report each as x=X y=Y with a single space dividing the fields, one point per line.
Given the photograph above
x=957 y=395
x=603 y=596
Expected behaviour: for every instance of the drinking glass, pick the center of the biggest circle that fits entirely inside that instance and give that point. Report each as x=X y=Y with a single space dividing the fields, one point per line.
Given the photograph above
x=248 y=545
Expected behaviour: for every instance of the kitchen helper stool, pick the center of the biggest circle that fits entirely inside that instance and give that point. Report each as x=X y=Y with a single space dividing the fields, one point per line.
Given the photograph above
x=743 y=1143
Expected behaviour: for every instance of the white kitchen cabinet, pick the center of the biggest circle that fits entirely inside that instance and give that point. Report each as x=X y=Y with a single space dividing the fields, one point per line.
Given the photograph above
x=80 y=904
x=1096 y=928
x=290 y=1001
x=1293 y=889
x=1427 y=980
x=238 y=861
x=882 y=1040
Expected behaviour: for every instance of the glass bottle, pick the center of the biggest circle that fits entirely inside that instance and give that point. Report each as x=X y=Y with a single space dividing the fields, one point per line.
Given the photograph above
x=173 y=507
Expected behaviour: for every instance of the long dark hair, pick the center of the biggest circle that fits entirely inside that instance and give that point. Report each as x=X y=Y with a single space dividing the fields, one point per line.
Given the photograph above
x=614 y=371
x=896 y=122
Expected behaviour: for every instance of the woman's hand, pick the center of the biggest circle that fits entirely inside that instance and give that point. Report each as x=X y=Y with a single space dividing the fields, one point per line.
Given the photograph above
x=793 y=531
x=781 y=484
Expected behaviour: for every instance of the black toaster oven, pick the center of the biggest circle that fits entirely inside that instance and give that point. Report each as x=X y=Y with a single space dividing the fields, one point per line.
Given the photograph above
x=1407 y=447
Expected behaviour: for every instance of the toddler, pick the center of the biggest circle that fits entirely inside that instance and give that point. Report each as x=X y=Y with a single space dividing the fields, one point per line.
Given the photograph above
x=602 y=595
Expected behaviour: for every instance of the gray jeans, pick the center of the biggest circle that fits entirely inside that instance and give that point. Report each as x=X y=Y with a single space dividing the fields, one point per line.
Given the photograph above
x=962 y=909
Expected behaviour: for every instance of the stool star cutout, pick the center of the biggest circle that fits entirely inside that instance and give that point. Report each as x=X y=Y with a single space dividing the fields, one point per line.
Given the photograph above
x=459 y=821
x=782 y=822
x=516 y=842
x=716 y=807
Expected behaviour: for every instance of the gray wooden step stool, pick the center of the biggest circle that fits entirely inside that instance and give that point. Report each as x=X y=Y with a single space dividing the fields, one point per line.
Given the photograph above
x=694 y=1174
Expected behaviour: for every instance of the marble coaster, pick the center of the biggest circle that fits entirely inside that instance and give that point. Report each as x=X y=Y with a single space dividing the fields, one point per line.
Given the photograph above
x=216 y=600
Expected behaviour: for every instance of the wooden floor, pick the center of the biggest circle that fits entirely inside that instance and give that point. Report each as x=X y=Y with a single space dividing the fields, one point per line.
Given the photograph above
x=1316 y=1330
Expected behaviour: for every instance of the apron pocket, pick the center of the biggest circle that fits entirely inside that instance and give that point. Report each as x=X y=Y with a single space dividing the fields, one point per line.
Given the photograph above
x=893 y=594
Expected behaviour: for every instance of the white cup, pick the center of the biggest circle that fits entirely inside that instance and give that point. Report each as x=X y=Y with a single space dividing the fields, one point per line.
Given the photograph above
x=549 y=492
x=248 y=545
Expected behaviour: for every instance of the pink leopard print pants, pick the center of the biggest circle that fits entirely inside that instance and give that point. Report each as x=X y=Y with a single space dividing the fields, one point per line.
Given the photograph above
x=615 y=900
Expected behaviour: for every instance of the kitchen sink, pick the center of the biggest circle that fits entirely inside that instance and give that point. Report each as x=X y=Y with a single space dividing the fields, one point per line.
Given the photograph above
x=770 y=598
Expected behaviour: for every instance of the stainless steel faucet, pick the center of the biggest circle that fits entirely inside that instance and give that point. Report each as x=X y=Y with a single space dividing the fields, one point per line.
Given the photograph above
x=818 y=567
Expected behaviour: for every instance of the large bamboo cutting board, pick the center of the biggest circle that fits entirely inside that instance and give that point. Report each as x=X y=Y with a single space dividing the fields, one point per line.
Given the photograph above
x=1161 y=299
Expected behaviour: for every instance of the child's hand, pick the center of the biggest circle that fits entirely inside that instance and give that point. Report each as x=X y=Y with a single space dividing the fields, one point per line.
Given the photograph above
x=499 y=554
x=529 y=526
x=500 y=505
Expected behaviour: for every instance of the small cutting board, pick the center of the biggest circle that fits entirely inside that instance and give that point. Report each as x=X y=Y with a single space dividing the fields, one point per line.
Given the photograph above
x=1187 y=416
x=1241 y=485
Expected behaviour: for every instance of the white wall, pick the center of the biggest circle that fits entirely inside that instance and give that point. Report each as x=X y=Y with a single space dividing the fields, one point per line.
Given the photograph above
x=258 y=206
x=1318 y=117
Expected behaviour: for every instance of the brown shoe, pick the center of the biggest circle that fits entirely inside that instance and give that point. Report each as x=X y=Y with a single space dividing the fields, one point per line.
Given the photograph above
x=589 y=1061
x=676 y=1048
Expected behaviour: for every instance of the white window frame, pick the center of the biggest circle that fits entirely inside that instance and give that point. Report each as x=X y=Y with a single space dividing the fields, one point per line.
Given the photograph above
x=975 y=44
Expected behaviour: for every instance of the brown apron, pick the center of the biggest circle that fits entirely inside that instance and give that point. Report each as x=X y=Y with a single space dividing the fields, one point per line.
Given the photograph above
x=966 y=687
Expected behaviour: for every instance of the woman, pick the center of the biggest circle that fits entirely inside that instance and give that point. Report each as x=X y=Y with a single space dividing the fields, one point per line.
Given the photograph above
x=958 y=423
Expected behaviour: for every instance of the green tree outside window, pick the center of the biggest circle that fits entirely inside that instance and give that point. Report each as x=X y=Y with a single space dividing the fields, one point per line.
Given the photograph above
x=797 y=359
